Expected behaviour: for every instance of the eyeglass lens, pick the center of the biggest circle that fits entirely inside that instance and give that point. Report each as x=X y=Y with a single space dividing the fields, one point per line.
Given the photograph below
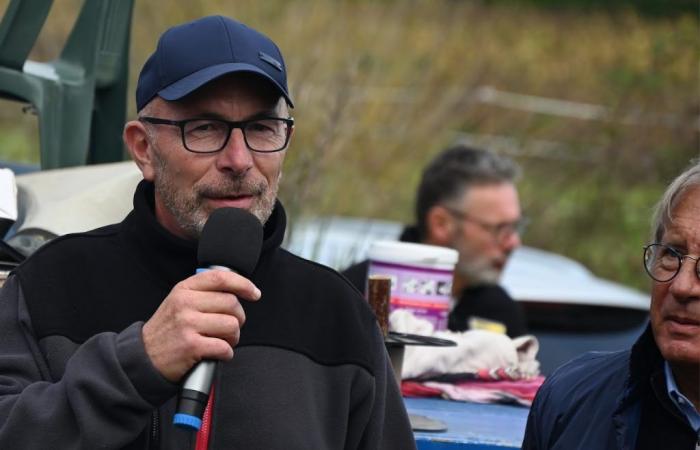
x=663 y=263
x=506 y=230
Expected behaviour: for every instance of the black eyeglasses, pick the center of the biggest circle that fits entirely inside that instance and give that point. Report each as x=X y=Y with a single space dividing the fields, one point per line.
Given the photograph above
x=663 y=262
x=263 y=134
x=500 y=231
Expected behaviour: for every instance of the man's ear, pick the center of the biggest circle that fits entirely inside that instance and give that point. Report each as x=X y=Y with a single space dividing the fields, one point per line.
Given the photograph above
x=140 y=149
x=440 y=226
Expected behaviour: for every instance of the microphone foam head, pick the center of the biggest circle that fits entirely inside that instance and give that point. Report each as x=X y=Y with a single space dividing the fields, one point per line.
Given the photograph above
x=231 y=237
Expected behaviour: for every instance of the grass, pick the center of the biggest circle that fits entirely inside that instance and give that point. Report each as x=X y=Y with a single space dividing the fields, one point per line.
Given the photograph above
x=381 y=87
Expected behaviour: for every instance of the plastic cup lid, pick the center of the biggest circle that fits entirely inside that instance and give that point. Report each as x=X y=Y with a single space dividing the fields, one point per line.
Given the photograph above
x=408 y=253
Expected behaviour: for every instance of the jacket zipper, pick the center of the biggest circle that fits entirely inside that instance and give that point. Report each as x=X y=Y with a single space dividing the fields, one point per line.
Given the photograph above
x=155 y=432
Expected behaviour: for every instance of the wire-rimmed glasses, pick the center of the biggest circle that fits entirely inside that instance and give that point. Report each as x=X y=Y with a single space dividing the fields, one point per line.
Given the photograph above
x=663 y=262
x=499 y=231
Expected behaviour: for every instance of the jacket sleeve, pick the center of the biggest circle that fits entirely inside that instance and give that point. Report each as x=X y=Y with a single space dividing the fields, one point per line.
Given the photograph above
x=532 y=438
x=388 y=427
x=102 y=400
x=545 y=413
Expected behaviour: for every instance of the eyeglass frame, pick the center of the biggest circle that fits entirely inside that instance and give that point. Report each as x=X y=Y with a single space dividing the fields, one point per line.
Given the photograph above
x=499 y=231
x=240 y=124
x=681 y=259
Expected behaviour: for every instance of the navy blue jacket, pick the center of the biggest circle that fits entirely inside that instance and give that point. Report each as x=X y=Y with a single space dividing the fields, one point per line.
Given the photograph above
x=599 y=400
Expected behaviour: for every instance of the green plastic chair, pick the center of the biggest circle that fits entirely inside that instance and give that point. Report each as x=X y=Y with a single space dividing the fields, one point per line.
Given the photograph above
x=80 y=97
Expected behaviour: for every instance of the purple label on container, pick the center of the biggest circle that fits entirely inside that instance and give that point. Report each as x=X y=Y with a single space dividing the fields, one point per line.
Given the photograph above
x=424 y=291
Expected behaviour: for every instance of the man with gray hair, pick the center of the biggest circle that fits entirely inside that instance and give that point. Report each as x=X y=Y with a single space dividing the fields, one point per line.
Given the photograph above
x=467 y=200
x=647 y=397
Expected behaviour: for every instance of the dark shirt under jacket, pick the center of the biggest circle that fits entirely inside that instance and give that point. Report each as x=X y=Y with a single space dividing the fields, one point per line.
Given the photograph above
x=490 y=302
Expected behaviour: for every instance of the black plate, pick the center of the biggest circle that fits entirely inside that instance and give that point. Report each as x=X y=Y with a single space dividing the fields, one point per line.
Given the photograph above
x=400 y=339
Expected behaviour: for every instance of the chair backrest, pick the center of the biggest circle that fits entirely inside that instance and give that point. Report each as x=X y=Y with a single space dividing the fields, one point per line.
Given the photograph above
x=93 y=64
x=19 y=29
x=113 y=55
x=111 y=73
x=98 y=41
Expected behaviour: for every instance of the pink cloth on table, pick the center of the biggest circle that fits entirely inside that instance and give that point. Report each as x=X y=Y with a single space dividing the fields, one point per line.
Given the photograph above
x=521 y=392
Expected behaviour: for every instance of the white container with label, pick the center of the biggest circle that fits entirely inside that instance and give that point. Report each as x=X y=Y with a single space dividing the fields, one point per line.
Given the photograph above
x=421 y=277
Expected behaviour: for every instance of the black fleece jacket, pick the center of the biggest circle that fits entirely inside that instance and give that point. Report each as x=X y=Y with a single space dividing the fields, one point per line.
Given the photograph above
x=310 y=370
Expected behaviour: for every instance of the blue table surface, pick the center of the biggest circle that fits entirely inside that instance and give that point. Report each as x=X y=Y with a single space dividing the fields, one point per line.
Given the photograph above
x=470 y=426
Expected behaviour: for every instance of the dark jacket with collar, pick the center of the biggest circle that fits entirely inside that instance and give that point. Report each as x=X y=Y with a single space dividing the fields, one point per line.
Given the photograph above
x=605 y=400
x=310 y=370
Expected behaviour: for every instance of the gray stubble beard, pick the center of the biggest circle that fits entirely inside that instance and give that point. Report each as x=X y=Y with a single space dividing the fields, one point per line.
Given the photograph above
x=478 y=271
x=189 y=212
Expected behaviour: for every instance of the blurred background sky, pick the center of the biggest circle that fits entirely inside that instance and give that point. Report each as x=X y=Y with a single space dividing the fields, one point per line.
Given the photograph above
x=598 y=101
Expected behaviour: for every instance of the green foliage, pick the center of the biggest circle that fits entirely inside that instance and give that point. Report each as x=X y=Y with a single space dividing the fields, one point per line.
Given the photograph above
x=658 y=8
x=381 y=87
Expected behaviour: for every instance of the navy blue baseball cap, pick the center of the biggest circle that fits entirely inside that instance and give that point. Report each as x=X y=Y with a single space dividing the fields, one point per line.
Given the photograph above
x=192 y=54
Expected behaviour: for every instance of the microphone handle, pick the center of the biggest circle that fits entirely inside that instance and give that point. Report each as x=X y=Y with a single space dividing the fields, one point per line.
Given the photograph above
x=196 y=387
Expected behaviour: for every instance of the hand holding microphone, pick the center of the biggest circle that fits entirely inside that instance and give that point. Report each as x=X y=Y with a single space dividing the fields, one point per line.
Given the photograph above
x=200 y=319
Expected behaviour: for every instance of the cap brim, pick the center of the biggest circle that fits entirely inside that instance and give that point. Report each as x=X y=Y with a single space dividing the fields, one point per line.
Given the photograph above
x=196 y=80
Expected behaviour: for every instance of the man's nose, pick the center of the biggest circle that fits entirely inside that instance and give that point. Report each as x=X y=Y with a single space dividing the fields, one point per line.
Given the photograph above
x=511 y=241
x=235 y=156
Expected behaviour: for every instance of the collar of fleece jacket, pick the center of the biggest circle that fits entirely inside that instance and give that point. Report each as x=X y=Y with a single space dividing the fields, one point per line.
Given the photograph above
x=174 y=258
x=140 y=256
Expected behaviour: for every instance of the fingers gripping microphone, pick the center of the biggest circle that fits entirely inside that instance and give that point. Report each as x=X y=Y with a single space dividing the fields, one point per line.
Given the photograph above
x=231 y=240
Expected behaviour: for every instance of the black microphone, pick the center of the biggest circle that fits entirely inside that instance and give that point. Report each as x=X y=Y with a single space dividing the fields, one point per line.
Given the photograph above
x=231 y=240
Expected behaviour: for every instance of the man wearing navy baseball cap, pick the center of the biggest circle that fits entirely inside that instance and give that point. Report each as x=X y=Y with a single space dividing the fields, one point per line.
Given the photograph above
x=101 y=328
